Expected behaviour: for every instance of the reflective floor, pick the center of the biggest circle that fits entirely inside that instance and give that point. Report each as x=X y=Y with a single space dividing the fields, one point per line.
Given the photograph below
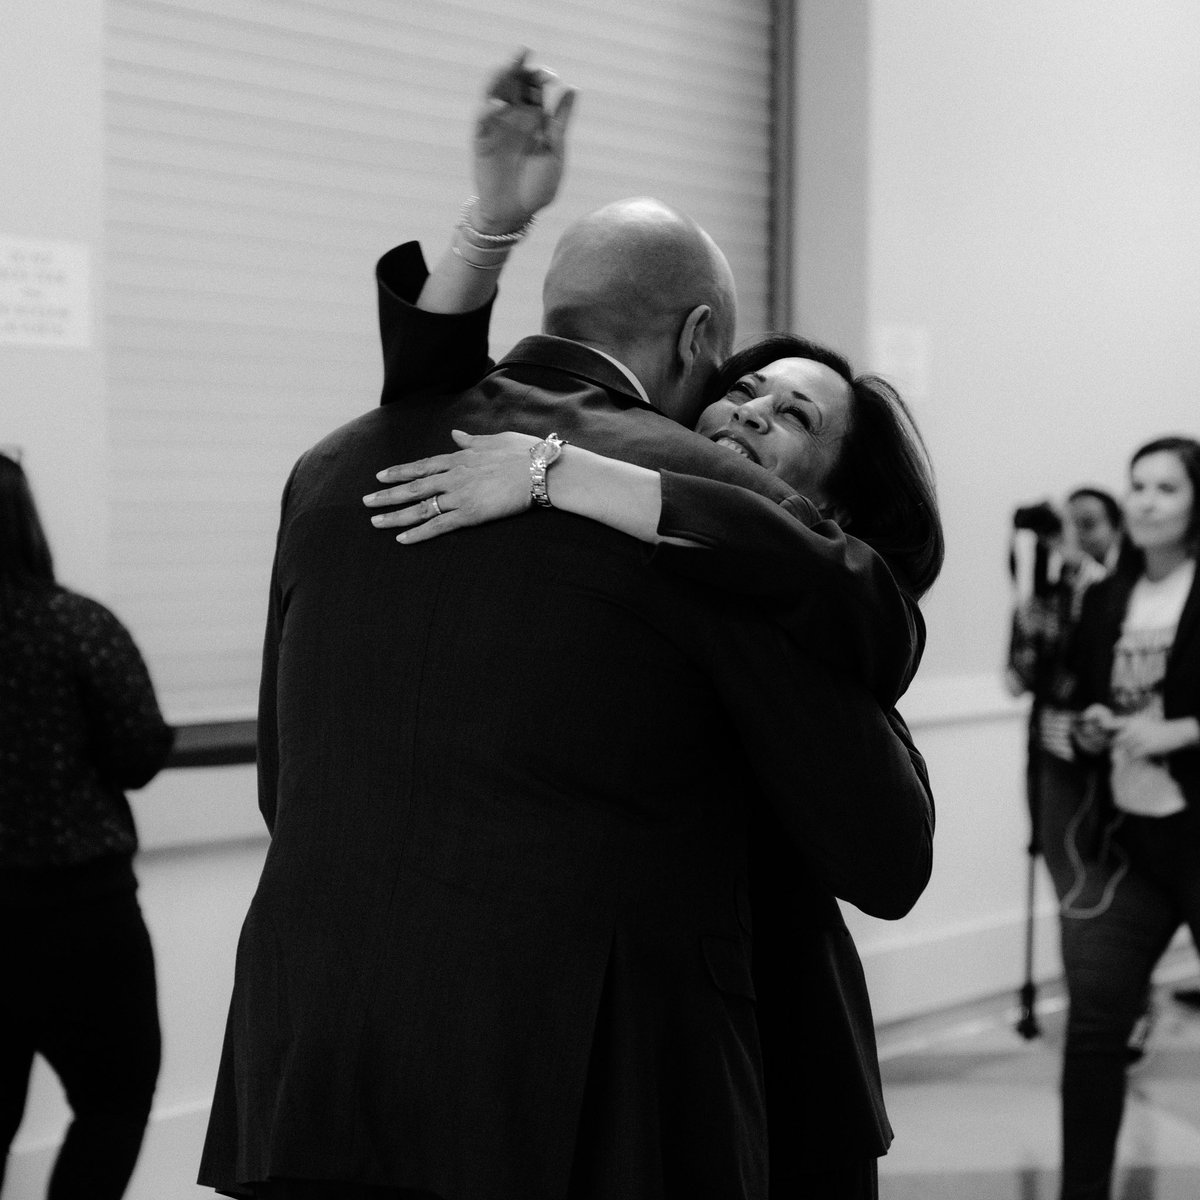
x=975 y=1106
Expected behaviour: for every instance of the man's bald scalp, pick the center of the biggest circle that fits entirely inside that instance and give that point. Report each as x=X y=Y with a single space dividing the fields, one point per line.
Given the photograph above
x=631 y=272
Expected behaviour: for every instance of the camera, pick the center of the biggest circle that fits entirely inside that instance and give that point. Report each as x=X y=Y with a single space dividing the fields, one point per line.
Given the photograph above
x=1033 y=557
x=1040 y=519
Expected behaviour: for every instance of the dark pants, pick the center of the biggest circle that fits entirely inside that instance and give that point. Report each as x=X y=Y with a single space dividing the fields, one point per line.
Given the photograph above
x=304 y=1189
x=855 y=1179
x=1138 y=898
x=79 y=990
x=1066 y=820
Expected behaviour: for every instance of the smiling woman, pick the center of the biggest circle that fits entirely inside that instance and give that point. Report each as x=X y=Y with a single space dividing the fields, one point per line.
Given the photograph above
x=1137 y=659
x=766 y=552
x=789 y=417
x=847 y=442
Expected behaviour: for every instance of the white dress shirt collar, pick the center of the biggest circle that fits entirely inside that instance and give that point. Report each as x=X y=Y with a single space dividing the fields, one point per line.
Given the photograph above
x=637 y=383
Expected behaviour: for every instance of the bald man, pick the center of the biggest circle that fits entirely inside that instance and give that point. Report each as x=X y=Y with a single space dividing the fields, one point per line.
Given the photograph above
x=500 y=949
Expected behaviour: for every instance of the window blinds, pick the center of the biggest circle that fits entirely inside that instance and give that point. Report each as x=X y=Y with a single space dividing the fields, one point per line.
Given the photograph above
x=261 y=155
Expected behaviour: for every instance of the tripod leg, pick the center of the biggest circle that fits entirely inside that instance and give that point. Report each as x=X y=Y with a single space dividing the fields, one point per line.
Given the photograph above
x=1027 y=1023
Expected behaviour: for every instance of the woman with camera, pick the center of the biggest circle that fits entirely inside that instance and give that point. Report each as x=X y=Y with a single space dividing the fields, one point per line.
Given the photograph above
x=1137 y=661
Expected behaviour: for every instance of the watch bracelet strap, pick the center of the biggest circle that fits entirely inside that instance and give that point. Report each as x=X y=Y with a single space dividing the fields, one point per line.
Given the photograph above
x=539 y=492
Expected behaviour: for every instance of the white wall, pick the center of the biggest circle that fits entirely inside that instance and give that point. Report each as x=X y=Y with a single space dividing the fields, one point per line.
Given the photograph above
x=965 y=937
x=1032 y=206
x=51 y=399
x=1022 y=257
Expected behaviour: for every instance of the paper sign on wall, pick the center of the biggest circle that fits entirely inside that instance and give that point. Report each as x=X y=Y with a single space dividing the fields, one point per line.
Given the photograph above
x=45 y=293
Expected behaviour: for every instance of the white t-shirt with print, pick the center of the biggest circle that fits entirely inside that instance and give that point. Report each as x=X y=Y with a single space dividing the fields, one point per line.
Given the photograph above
x=1144 y=785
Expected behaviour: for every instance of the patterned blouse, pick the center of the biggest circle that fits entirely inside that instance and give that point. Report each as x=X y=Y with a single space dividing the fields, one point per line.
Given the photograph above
x=79 y=723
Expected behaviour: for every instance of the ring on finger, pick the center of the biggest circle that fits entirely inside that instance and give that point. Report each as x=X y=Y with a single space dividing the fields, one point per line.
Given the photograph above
x=437 y=508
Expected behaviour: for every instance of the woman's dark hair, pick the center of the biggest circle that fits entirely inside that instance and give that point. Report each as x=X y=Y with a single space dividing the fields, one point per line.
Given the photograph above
x=24 y=552
x=882 y=477
x=1131 y=560
x=1109 y=502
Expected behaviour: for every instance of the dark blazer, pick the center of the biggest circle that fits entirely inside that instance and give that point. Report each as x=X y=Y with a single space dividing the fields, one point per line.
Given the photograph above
x=833 y=597
x=1091 y=659
x=500 y=946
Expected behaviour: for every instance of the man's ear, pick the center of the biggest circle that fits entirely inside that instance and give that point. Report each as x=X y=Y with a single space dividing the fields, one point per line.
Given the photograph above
x=691 y=336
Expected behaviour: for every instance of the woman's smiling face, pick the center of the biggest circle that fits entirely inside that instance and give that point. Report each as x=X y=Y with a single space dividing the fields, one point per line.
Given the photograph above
x=789 y=417
x=1158 y=508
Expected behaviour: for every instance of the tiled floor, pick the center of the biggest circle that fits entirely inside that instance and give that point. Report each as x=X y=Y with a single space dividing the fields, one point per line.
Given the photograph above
x=975 y=1106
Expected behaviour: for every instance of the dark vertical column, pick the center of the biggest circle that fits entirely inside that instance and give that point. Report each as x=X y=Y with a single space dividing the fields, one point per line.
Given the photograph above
x=782 y=215
x=831 y=172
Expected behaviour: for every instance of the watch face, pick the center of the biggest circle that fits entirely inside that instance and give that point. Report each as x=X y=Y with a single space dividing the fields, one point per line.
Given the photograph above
x=545 y=452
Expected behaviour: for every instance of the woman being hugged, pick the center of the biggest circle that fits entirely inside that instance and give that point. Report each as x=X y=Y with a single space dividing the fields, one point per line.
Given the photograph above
x=844 y=448
x=1137 y=657
x=868 y=540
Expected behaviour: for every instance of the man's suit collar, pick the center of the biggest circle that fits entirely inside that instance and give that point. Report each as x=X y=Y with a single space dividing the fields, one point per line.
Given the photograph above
x=573 y=358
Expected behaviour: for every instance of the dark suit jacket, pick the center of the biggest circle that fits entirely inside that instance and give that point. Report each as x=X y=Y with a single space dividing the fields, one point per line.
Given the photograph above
x=1091 y=659
x=829 y=593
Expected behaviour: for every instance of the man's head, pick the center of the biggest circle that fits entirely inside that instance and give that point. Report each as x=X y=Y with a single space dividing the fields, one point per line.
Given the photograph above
x=24 y=551
x=647 y=285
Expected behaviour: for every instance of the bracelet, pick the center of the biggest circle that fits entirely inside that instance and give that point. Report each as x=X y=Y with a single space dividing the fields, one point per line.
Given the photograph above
x=478 y=266
x=490 y=239
x=541 y=455
x=489 y=258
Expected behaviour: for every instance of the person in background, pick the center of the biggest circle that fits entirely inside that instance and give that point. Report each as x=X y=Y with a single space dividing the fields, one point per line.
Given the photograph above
x=79 y=724
x=1136 y=658
x=1085 y=545
x=1094 y=517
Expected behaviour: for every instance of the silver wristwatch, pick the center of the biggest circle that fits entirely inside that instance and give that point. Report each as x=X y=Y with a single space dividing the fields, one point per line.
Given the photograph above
x=541 y=455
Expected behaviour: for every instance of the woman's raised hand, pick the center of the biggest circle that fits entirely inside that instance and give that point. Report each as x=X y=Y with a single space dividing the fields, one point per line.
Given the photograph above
x=520 y=146
x=487 y=479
